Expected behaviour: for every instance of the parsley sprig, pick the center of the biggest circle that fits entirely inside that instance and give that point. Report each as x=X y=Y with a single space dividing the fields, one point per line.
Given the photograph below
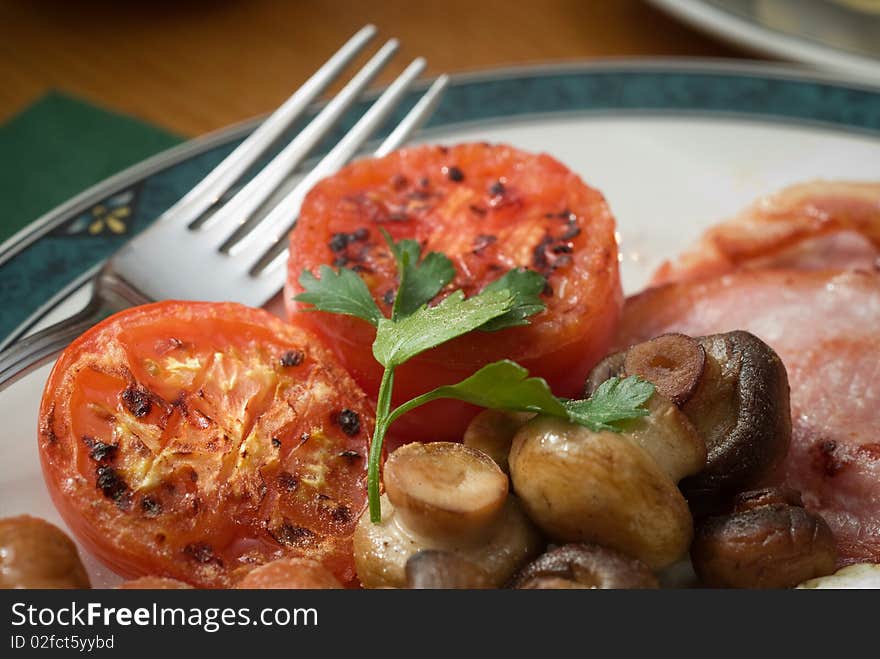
x=415 y=327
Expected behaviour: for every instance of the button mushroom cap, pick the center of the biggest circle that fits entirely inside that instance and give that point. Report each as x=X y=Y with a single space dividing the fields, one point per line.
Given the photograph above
x=860 y=575
x=741 y=409
x=289 y=574
x=154 y=583
x=738 y=404
x=600 y=487
x=492 y=431
x=443 y=496
x=584 y=566
x=669 y=437
x=437 y=569
x=36 y=554
x=768 y=543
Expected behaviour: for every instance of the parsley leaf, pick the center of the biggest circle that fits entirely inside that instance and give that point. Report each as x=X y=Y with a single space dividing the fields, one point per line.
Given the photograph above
x=342 y=292
x=526 y=286
x=399 y=340
x=616 y=399
x=419 y=281
x=500 y=385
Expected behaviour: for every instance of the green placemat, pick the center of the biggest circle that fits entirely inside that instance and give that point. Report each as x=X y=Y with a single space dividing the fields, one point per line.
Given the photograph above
x=58 y=147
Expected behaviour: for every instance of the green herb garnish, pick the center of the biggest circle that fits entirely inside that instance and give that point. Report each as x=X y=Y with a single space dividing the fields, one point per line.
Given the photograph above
x=415 y=327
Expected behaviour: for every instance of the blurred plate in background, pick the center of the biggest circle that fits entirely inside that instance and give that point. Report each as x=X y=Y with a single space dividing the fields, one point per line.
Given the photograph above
x=835 y=35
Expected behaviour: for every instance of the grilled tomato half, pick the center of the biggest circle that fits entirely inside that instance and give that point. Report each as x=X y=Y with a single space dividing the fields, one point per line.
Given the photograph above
x=489 y=208
x=196 y=440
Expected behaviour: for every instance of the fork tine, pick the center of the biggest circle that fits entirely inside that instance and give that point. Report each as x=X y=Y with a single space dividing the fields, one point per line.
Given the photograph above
x=231 y=220
x=420 y=112
x=221 y=178
x=274 y=225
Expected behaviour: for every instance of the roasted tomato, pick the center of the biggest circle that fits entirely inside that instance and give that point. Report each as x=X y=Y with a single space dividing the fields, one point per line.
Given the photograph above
x=195 y=440
x=489 y=208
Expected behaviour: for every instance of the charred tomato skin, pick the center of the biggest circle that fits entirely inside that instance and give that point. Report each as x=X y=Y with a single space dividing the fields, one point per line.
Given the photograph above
x=489 y=208
x=178 y=439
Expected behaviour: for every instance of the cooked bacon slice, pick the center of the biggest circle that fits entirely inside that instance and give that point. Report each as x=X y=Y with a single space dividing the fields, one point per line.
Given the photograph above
x=825 y=325
x=809 y=226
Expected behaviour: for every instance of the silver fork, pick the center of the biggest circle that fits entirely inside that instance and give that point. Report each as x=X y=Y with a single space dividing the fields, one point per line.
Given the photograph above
x=234 y=254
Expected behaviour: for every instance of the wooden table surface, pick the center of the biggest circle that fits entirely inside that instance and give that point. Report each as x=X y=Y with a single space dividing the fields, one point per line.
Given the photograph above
x=196 y=66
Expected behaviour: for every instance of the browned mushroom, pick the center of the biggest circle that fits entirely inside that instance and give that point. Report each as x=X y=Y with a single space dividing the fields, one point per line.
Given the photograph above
x=578 y=485
x=443 y=496
x=492 y=431
x=738 y=404
x=36 y=554
x=673 y=362
x=767 y=542
x=584 y=566
x=610 y=367
x=741 y=409
x=437 y=569
x=289 y=574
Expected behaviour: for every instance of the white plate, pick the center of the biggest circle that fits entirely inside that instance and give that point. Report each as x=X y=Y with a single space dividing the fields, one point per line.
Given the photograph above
x=835 y=35
x=666 y=175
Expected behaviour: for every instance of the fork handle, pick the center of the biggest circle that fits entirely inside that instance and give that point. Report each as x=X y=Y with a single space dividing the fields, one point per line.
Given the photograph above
x=109 y=296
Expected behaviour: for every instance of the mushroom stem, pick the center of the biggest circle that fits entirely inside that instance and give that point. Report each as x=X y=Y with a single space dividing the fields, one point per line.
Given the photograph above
x=445 y=489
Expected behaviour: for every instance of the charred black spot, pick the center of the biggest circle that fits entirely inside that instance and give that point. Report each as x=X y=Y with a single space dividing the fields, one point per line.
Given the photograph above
x=276 y=442
x=112 y=485
x=350 y=456
x=151 y=506
x=399 y=182
x=349 y=421
x=539 y=254
x=100 y=451
x=424 y=182
x=138 y=400
x=202 y=552
x=455 y=174
x=290 y=535
x=292 y=358
x=497 y=189
x=573 y=231
x=563 y=249
x=338 y=242
x=483 y=241
x=341 y=514
x=288 y=481
x=388 y=297
x=361 y=234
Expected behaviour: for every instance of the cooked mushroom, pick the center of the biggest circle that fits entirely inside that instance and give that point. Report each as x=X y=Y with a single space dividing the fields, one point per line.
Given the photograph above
x=767 y=542
x=584 y=566
x=668 y=436
x=738 y=404
x=860 y=575
x=443 y=496
x=741 y=410
x=154 y=583
x=36 y=554
x=492 y=431
x=673 y=362
x=578 y=485
x=610 y=367
x=437 y=569
x=289 y=574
